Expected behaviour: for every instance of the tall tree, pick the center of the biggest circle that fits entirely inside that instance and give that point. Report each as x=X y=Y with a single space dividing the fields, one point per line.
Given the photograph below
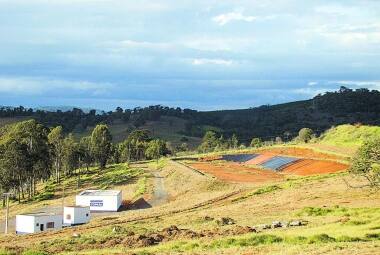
x=133 y=148
x=234 y=141
x=101 y=144
x=55 y=138
x=25 y=153
x=305 y=135
x=156 y=148
x=85 y=151
x=209 y=142
x=71 y=155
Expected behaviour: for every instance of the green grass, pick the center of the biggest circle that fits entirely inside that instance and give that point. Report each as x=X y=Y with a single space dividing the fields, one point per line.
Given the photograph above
x=158 y=164
x=141 y=187
x=349 y=135
x=293 y=182
x=249 y=240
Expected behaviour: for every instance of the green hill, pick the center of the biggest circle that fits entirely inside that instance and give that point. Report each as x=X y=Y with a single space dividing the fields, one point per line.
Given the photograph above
x=349 y=135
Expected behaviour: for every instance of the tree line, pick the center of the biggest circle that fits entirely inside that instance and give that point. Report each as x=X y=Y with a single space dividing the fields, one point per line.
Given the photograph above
x=31 y=153
x=216 y=142
x=283 y=120
x=78 y=120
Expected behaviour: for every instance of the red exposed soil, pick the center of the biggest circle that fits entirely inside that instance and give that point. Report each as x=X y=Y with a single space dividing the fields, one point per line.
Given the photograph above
x=301 y=152
x=234 y=172
x=310 y=167
x=260 y=159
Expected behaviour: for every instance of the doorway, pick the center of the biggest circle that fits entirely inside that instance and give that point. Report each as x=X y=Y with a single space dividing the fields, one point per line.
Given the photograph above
x=42 y=227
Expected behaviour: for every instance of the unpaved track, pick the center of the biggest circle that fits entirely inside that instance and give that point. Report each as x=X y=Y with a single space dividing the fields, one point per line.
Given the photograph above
x=160 y=195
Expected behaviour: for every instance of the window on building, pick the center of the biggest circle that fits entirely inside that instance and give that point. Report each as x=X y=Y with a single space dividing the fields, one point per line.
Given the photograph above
x=37 y=224
x=68 y=216
x=86 y=214
x=50 y=225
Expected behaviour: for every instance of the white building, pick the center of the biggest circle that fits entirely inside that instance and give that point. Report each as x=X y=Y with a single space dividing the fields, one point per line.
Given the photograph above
x=75 y=215
x=100 y=200
x=37 y=222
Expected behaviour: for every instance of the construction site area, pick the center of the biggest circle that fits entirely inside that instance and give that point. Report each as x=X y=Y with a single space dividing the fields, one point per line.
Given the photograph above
x=268 y=165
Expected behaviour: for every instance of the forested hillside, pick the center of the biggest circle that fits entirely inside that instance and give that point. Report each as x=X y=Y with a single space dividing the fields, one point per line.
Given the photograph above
x=345 y=106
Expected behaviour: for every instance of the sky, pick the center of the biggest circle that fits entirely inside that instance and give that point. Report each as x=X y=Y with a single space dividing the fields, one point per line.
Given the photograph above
x=199 y=54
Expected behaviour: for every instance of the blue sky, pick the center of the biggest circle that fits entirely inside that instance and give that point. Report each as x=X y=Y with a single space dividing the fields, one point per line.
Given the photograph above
x=200 y=54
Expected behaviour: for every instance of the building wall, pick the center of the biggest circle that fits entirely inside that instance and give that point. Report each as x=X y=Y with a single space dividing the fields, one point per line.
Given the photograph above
x=26 y=224
x=78 y=215
x=100 y=203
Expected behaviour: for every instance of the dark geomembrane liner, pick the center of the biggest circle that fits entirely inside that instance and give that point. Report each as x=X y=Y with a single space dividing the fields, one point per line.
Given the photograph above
x=240 y=158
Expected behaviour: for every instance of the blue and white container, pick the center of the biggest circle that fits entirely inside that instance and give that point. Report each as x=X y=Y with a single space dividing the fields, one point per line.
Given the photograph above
x=100 y=200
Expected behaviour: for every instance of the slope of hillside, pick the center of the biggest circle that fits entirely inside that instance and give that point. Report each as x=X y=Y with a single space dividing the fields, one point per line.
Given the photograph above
x=168 y=128
x=349 y=135
x=335 y=220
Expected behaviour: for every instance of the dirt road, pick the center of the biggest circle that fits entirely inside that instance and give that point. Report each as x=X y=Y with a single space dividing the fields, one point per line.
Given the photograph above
x=160 y=195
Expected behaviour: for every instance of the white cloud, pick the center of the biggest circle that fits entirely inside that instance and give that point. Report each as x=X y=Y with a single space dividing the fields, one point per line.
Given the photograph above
x=350 y=34
x=39 y=86
x=218 y=43
x=207 y=61
x=312 y=83
x=225 y=18
x=238 y=15
x=143 y=44
x=335 y=10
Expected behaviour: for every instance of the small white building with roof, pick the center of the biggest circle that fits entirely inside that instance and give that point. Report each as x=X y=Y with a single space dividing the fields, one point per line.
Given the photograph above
x=30 y=223
x=76 y=215
x=100 y=200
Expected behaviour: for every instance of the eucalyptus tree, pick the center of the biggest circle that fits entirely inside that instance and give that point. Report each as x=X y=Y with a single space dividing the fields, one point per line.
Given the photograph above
x=101 y=140
x=55 y=138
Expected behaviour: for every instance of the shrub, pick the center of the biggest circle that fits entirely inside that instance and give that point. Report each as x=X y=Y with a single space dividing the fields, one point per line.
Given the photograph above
x=321 y=238
x=256 y=143
x=32 y=252
x=315 y=211
x=373 y=236
x=367 y=162
x=267 y=189
x=305 y=135
x=348 y=239
x=246 y=242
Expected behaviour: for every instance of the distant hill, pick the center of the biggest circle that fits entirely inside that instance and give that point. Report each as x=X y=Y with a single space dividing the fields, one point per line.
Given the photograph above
x=320 y=113
x=65 y=109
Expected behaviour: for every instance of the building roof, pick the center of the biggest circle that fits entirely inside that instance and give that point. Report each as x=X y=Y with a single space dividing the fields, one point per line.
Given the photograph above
x=39 y=214
x=76 y=206
x=99 y=193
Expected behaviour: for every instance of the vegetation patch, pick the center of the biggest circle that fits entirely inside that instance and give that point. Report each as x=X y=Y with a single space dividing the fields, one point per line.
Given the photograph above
x=141 y=187
x=267 y=189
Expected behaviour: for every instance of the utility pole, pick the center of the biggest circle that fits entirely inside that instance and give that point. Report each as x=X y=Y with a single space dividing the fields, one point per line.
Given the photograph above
x=63 y=197
x=6 y=195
